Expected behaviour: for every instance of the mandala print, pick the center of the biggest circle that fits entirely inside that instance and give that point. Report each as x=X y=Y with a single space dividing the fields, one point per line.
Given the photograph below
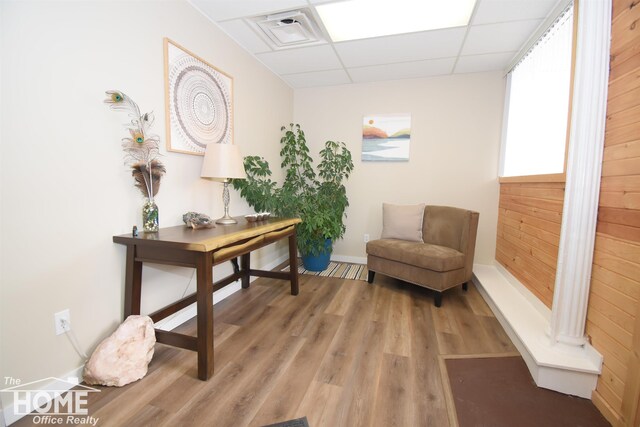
x=200 y=104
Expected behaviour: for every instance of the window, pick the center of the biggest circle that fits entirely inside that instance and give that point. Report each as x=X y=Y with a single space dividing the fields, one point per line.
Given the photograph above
x=537 y=104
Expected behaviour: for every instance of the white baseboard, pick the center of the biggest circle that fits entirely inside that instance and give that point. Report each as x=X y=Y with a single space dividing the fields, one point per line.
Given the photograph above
x=566 y=369
x=349 y=259
x=74 y=377
x=190 y=312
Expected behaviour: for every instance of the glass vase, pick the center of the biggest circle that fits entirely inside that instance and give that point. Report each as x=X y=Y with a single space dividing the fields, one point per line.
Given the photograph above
x=150 y=219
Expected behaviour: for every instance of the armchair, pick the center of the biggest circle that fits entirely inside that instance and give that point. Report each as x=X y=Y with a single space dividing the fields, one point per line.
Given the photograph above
x=442 y=260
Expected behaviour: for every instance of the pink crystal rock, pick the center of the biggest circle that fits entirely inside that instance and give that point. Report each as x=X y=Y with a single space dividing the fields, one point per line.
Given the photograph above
x=124 y=356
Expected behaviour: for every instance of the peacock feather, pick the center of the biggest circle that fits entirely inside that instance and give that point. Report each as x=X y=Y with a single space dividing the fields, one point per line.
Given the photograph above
x=141 y=148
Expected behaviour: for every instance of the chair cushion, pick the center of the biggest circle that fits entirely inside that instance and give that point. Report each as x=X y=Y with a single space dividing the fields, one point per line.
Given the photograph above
x=402 y=222
x=424 y=255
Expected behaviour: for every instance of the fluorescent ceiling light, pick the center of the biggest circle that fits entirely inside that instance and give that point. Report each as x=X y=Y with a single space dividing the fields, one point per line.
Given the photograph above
x=361 y=19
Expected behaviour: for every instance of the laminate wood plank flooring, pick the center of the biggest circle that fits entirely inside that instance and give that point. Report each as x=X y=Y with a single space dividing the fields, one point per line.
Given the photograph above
x=342 y=353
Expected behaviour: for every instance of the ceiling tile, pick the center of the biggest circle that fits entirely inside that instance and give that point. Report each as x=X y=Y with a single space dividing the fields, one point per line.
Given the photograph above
x=494 y=38
x=291 y=61
x=401 y=48
x=499 y=28
x=221 y=10
x=404 y=70
x=240 y=31
x=317 y=78
x=480 y=63
x=493 y=11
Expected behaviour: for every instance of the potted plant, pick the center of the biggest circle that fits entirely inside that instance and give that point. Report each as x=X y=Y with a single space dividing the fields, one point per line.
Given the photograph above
x=319 y=199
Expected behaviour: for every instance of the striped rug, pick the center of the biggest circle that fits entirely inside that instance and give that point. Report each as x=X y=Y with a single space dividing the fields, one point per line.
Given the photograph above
x=342 y=270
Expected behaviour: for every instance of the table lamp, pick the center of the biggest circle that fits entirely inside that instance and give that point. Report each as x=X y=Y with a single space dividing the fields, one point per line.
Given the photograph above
x=223 y=162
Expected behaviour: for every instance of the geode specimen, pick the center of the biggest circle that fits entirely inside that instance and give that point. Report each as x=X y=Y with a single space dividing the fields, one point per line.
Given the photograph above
x=197 y=220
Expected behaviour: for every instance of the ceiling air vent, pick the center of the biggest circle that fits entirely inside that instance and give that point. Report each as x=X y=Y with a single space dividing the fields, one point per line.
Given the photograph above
x=288 y=29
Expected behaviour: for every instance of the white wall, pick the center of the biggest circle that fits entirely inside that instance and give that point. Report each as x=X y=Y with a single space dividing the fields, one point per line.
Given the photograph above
x=455 y=135
x=65 y=191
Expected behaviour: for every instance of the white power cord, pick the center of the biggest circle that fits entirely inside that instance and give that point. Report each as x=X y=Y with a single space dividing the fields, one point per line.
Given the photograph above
x=189 y=284
x=73 y=339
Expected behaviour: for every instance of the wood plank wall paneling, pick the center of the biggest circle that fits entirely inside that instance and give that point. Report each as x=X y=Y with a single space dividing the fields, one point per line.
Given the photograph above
x=529 y=222
x=529 y=219
x=613 y=316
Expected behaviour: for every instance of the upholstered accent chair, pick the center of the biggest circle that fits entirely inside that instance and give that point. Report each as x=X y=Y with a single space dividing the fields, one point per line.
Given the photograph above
x=442 y=260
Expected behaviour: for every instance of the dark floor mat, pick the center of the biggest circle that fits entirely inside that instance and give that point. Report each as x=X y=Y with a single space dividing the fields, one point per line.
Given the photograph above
x=499 y=391
x=298 y=422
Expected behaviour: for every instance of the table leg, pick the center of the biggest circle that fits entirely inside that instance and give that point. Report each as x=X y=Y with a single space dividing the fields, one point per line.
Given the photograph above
x=204 y=299
x=293 y=263
x=132 y=283
x=246 y=266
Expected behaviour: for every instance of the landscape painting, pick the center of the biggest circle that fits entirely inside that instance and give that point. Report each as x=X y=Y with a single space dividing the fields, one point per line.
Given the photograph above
x=386 y=138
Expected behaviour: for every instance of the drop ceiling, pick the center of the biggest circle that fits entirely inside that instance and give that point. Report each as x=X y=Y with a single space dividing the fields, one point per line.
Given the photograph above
x=496 y=32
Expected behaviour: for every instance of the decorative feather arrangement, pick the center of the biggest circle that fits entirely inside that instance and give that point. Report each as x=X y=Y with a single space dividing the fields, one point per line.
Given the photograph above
x=144 y=176
x=141 y=147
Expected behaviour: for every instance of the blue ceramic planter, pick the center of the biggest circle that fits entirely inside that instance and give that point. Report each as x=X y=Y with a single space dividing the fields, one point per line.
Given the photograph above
x=318 y=262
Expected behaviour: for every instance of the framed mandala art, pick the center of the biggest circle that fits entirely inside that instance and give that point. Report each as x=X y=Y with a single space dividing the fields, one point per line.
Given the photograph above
x=199 y=102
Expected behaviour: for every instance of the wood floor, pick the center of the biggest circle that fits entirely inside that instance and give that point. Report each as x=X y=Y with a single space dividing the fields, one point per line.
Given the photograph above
x=341 y=353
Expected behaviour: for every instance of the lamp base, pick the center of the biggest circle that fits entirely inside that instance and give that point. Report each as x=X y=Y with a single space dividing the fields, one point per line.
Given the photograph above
x=226 y=220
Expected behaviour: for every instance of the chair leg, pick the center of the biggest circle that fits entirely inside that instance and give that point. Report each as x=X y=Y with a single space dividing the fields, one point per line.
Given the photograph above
x=370 y=276
x=437 y=299
x=465 y=286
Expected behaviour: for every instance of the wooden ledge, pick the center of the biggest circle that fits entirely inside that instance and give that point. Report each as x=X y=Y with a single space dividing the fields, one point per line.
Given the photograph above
x=552 y=177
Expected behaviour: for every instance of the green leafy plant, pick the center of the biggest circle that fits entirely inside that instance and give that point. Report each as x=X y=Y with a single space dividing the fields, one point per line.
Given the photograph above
x=319 y=199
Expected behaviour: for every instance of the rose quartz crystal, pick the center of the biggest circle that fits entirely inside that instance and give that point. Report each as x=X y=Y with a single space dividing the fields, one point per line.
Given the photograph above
x=123 y=357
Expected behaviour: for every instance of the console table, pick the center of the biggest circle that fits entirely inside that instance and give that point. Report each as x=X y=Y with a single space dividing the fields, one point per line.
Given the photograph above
x=202 y=249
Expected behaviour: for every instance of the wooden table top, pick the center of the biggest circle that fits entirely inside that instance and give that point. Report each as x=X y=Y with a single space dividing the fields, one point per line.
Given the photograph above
x=207 y=239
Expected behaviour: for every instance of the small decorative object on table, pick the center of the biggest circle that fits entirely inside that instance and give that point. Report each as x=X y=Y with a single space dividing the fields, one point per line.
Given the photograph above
x=262 y=216
x=141 y=152
x=197 y=220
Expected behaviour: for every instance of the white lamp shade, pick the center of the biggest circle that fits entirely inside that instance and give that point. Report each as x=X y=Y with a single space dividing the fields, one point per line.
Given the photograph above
x=222 y=161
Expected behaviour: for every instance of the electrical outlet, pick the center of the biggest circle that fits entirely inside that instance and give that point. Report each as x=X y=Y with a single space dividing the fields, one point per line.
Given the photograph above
x=366 y=238
x=63 y=322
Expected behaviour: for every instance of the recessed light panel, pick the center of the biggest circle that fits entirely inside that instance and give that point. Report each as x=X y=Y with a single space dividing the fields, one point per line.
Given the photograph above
x=361 y=19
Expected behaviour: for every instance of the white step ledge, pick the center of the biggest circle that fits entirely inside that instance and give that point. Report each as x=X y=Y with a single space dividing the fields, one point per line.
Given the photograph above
x=566 y=369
